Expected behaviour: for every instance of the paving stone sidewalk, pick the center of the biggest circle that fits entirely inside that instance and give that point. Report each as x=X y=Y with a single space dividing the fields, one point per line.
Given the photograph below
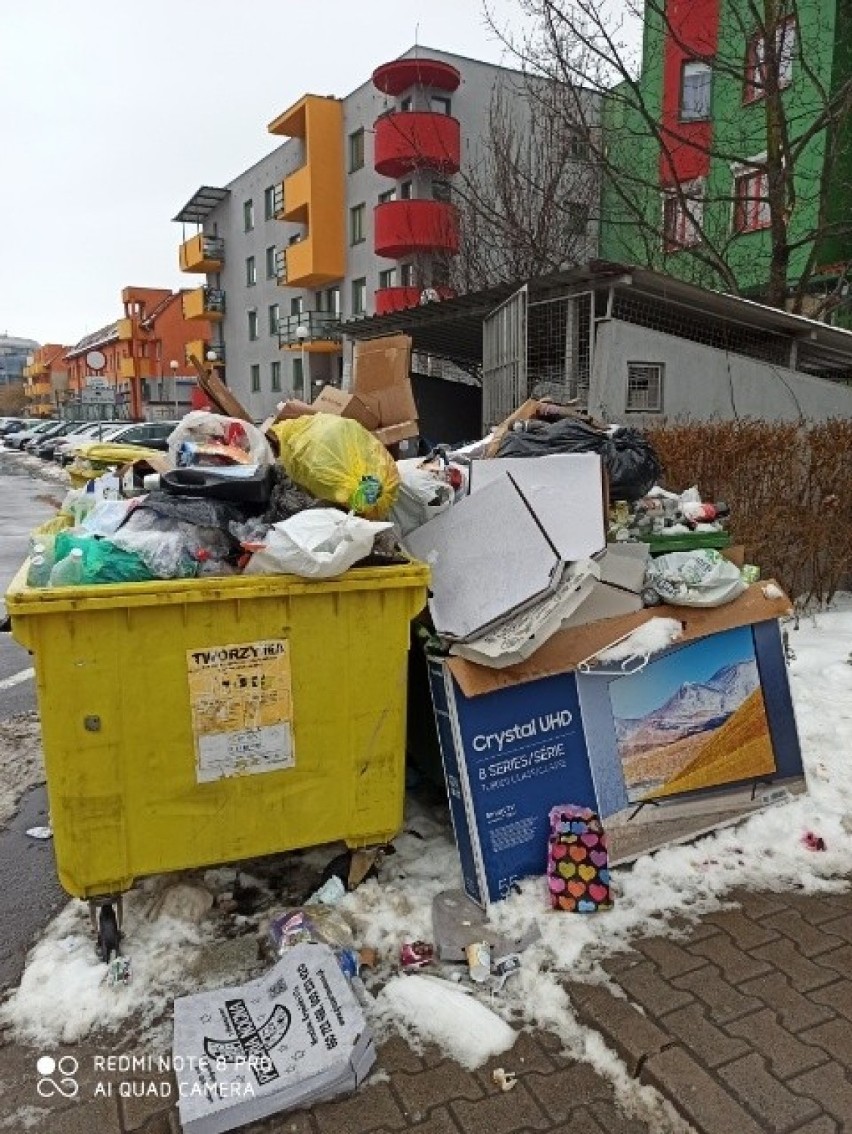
x=744 y=1024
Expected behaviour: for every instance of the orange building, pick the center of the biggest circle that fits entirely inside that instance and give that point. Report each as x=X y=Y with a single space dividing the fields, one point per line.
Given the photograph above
x=45 y=378
x=145 y=354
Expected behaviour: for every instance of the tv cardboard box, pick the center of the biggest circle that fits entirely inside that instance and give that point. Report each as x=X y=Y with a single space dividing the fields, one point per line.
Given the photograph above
x=672 y=746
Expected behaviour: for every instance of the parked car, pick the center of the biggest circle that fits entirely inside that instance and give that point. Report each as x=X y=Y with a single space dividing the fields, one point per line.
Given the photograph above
x=19 y=439
x=149 y=434
x=66 y=447
x=45 y=446
x=16 y=424
x=58 y=429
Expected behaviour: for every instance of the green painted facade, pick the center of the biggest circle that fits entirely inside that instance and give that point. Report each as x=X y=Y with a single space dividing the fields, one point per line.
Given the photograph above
x=823 y=60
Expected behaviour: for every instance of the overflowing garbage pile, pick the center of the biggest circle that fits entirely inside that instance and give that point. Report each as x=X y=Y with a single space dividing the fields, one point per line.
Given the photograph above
x=312 y=498
x=596 y=644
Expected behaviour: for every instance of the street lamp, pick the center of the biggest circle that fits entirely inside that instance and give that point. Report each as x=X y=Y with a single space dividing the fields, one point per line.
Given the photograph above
x=173 y=366
x=302 y=334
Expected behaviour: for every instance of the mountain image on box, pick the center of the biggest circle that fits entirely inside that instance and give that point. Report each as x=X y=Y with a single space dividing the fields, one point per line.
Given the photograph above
x=693 y=720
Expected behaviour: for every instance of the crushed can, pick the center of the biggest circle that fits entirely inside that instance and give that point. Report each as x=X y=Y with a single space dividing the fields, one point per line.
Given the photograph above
x=479 y=961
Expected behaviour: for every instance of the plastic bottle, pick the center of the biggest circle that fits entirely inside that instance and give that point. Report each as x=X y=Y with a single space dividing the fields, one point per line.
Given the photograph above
x=43 y=546
x=38 y=573
x=68 y=572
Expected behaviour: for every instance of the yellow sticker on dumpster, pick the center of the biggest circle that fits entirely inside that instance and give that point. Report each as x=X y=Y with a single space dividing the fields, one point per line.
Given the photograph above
x=242 y=709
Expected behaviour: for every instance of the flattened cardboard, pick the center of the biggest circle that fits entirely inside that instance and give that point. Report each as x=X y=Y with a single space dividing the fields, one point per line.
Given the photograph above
x=624 y=565
x=567 y=648
x=564 y=490
x=332 y=400
x=393 y=434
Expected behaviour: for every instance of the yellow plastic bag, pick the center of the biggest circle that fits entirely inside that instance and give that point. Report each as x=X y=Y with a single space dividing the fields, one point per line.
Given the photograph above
x=54 y=525
x=337 y=460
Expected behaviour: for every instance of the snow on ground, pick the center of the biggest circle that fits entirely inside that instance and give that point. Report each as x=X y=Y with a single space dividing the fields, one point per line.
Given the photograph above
x=64 y=995
x=21 y=764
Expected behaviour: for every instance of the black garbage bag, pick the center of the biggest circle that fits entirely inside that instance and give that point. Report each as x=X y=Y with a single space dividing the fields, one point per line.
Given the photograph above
x=631 y=462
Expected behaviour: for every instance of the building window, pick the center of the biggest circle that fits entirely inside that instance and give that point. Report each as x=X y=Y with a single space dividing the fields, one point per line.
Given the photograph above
x=578 y=145
x=388 y=195
x=359 y=296
x=440 y=104
x=297 y=304
x=644 y=387
x=441 y=191
x=755 y=65
x=248 y=215
x=695 y=84
x=405 y=105
x=252 y=325
x=387 y=278
x=251 y=271
x=406 y=275
x=269 y=203
x=356 y=151
x=275 y=376
x=751 y=201
x=270 y=262
x=357 y=223
x=295 y=238
x=576 y=220
x=298 y=376
x=255 y=378
x=273 y=318
x=405 y=191
x=332 y=298
x=683 y=216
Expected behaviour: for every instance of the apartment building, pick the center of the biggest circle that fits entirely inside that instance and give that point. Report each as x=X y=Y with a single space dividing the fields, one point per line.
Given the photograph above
x=352 y=215
x=46 y=379
x=736 y=102
x=145 y=358
x=14 y=353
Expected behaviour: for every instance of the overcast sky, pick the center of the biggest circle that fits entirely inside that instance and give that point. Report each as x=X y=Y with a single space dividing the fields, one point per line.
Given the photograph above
x=112 y=113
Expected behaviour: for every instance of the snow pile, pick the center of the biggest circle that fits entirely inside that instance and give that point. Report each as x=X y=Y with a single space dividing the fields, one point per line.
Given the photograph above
x=439 y=1012
x=63 y=994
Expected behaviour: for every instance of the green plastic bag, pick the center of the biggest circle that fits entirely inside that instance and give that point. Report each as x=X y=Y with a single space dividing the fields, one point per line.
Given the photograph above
x=103 y=562
x=337 y=460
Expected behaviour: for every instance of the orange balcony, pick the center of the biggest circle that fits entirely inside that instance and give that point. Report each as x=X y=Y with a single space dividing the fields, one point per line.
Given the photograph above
x=311 y=263
x=129 y=368
x=315 y=332
x=204 y=303
x=202 y=253
x=408 y=141
x=404 y=228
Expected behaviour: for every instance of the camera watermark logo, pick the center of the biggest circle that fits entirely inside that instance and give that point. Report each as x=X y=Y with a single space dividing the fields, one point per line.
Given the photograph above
x=57 y=1076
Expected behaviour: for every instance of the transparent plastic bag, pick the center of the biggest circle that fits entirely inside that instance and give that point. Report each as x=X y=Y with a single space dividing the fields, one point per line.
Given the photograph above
x=164 y=553
x=695 y=578
x=206 y=439
x=337 y=460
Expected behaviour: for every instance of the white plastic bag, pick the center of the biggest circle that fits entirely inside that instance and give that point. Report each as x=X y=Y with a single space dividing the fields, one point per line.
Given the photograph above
x=422 y=495
x=318 y=543
x=242 y=441
x=695 y=578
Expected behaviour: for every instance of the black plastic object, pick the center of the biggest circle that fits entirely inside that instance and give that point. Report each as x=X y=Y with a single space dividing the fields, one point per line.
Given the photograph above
x=255 y=489
x=631 y=461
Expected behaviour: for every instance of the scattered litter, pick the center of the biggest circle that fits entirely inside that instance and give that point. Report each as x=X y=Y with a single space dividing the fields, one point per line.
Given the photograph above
x=479 y=961
x=40 y=832
x=773 y=591
x=505 y=1080
x=416 y=954
x=813 y=841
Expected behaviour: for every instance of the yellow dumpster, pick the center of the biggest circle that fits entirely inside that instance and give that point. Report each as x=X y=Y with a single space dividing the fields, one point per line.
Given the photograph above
x=201 y=721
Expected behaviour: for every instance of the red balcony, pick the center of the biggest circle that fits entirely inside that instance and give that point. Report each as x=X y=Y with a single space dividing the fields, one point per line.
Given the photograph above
x=406 y=227
x=417 y=140
x=399 y=298
x=395 y=77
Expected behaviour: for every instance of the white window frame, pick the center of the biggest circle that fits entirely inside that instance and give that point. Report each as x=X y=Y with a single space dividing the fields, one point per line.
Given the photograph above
x=651 y=405
x=702 y=112
x=688 y=222
x=747 y=170
x=786 y=44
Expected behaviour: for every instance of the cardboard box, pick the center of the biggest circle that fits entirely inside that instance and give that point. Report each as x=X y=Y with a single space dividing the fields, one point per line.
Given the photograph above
x=332 y=400
x=700 y=736
x=381 y=377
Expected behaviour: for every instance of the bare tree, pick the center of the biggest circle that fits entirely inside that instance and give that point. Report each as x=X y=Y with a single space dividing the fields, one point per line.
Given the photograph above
x=774 y=162
x=13 y=399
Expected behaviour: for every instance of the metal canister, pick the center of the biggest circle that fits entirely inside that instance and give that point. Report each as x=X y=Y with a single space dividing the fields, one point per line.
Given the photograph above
x=479 y=961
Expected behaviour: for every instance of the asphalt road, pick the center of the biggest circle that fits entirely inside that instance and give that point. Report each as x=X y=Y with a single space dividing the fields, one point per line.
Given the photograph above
x=29 y=892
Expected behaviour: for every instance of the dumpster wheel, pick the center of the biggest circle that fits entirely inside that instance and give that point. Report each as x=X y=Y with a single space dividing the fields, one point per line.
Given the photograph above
x=109 y=935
